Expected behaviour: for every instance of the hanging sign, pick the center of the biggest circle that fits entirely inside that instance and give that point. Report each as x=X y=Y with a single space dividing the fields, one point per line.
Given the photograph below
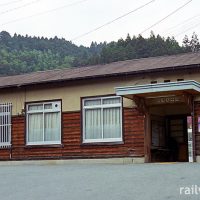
x=165 y=100
x=190 y=138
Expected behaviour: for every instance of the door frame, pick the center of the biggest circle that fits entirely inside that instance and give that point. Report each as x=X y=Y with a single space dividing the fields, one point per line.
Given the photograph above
x=148 y=139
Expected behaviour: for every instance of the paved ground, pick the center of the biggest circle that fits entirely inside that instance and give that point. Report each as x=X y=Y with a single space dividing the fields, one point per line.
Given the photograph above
x=98 y=182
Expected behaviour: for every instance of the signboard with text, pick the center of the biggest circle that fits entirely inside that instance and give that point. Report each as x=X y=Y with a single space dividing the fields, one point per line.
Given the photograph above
x=165 y=100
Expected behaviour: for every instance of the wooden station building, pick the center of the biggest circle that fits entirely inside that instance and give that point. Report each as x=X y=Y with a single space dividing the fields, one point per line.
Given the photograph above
x=142 y=110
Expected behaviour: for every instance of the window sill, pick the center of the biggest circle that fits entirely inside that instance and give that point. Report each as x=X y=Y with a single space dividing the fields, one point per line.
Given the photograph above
x=102 y=143
x=5 y=147
x=44 y=146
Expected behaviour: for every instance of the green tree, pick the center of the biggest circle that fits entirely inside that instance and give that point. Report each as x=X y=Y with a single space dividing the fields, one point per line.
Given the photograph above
x=194 y=43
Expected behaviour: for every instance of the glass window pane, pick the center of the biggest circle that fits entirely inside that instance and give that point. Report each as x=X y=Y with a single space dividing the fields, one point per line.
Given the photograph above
x=93 y=124
x=35 y=127
x=48 y=106
x=111 y=123
x=1 y=120
x=52 y=125
x=4 y=133
x=93 y=102
x=35 y=107
x=111 y=100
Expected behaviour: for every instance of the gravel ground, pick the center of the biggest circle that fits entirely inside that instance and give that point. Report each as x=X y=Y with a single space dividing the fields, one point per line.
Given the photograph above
x=98 y=182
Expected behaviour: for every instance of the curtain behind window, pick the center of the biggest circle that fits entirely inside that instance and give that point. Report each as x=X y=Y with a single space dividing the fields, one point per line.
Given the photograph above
x=111 y=123
x=51 y=127
x=93 y=124
x=103 y=122
x=35 y=127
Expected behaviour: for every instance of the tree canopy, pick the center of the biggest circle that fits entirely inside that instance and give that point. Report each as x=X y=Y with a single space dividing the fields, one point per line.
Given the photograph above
x=22 y=54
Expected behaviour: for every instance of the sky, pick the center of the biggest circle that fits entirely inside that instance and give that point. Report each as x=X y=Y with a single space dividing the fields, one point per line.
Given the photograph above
x=72 y=19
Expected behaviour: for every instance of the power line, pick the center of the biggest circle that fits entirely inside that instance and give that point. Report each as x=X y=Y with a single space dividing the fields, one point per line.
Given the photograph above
x=196 y=25
x=11 y=2
x=19 y=7
x=166 y=17
x=43 y=13
x=180 y=24
x=95 y=29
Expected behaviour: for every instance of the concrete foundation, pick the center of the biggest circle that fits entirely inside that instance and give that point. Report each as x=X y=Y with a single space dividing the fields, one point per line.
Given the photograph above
x=125 y=160
x=198 y=159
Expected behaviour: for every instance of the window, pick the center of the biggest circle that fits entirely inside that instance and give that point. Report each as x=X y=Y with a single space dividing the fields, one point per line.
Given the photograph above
x=5 y=124
x=43 y=123
x=102 y=119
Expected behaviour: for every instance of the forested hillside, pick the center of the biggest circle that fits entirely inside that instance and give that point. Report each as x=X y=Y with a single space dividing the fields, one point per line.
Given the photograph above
x=23 y=54
x=19 y=54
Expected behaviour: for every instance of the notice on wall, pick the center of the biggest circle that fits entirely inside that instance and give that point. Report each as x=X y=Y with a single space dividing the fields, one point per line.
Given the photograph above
x=190 y=138
x=199 y=124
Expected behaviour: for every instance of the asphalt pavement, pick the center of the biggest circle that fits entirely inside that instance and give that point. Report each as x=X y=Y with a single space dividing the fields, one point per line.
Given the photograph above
x=100 y=182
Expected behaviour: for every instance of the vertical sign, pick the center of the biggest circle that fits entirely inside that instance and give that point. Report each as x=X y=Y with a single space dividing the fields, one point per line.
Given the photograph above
x=190 y=139
x=199 y=124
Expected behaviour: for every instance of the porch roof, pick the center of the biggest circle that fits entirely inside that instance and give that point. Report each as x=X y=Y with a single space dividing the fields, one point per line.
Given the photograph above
x=148 y=90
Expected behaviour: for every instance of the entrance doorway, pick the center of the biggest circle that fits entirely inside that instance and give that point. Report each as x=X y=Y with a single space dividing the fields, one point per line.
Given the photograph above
x=169 y=138
x=169 y=133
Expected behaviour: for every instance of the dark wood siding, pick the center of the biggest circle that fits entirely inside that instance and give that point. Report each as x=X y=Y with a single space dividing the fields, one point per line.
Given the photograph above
x=133 y=145
x=5 y=154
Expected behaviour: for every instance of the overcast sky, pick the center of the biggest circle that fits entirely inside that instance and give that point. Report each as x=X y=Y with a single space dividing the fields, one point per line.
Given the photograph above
x=72 y=18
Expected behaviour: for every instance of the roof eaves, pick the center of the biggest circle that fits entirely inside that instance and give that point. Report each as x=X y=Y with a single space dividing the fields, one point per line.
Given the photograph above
x=103 y=75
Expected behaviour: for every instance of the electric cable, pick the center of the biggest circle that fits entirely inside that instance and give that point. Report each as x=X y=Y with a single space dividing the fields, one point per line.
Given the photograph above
x=161 y=20
x=110 y=22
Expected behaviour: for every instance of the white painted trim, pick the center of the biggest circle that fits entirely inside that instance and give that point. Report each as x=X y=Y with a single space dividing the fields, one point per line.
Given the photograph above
x=103 y=140
x=5 y=145
x=43 y=111
x=159 y=87
x=116 y=105
x=44 y=143
x=5 y=125
x=102 y=106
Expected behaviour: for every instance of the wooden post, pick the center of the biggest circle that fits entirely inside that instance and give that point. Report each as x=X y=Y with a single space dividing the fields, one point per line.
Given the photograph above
x=142 y=107
x=147 y=138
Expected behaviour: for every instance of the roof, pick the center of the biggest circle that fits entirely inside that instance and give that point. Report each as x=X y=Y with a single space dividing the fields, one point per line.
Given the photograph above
x=134 y=66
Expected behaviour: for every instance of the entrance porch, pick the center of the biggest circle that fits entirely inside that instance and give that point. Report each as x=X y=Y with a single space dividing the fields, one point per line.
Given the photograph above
x=169 y=119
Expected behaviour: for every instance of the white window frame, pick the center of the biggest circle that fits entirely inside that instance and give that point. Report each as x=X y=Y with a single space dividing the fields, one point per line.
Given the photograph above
x=43 y=111
x=5 y=125
x=102 y=106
